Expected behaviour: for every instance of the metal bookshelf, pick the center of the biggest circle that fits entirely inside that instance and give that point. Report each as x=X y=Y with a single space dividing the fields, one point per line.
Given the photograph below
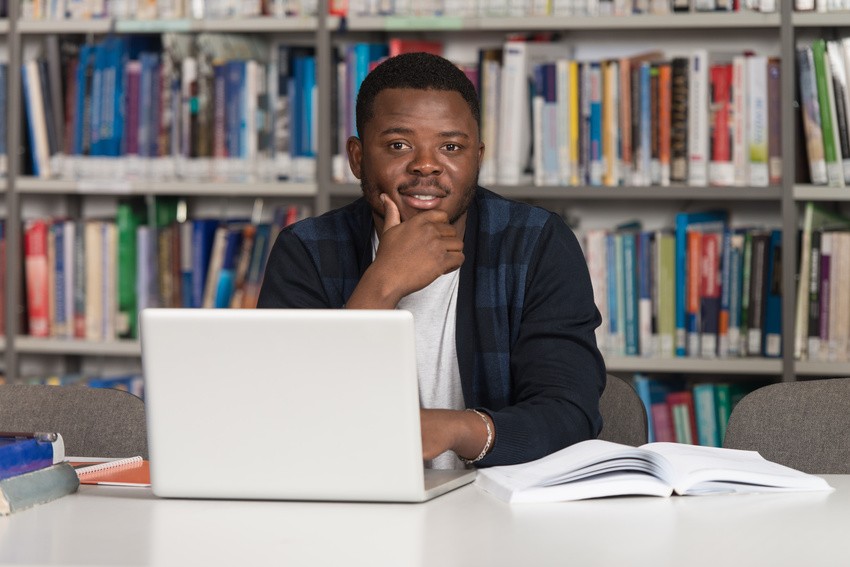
x=688 y=365
x=594 y=193
x=110 y=25
x=116 y=348
x=247 y=189
x=548 y=23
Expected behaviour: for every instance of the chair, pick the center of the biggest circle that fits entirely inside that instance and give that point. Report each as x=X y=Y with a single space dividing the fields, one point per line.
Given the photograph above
x=623 y=414
x=94 y=422
x=803 y=425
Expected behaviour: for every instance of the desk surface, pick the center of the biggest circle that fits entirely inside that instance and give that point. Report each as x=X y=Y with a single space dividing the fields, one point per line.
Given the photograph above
x=129 y=526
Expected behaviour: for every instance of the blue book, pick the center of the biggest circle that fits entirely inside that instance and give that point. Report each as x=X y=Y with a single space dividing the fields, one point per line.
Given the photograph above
x=81 y=121
x=772 y=336
x=203 y=232
x=59 y=280
x=227 y=274
x=308 y=87
x=630 y=293
x=683 y=221
x=19 y=455
x=235 y=94
x=708 y=432
x=30 y=111
x=147 y=101
x=595 y=76
x=645 y=165
x=725 y=290
x=101 y=56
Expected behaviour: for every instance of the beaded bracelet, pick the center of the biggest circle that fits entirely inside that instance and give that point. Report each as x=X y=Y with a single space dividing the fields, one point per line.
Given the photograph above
x=489 y=442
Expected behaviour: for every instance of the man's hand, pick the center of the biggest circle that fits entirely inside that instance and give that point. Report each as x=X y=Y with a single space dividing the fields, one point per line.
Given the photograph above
x=411 y=255
x=463 y=432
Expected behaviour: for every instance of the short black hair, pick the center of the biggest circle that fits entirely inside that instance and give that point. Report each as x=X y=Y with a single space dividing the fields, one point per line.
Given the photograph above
x=414 y=71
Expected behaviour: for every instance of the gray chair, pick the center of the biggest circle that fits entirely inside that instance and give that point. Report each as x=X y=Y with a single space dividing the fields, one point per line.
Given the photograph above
x=803 y=425
x=94 y=422
x=623 y=414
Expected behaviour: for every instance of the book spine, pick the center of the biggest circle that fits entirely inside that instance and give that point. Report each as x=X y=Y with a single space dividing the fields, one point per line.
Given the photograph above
x=35 y=270
x=709 y=294
x=679 y=118
x=810 y=111
x=774 y=119
x=834 y=174
x=757 y=115
x=813 y=345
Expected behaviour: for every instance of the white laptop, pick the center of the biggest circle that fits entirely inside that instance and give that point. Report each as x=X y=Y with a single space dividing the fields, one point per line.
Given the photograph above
x=285 y=404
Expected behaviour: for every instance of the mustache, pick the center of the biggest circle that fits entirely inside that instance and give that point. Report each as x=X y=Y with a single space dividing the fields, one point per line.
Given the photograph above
x=419 y=183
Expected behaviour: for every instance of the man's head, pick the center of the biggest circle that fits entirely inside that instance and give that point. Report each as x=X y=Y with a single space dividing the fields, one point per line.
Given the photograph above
x=420 y=71
x=419 y=121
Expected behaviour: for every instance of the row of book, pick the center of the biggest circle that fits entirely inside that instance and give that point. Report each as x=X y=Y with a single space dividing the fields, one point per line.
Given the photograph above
x=89 y=278
x=703 y=289
x=695 y=414
x=706 y=119
x=822 y=322
x=821 y=6
x=210 y=106
x=823 y=70
x=524 y=8
x=164 y=9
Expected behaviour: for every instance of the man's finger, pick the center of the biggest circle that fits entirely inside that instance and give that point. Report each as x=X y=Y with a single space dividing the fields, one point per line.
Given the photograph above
x=391 y=215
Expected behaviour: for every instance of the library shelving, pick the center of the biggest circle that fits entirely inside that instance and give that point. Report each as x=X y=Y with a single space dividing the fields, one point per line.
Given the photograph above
x=325 y=33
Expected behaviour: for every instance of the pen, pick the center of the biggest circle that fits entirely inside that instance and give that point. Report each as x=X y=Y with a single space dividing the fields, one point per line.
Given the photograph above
x=39 y=435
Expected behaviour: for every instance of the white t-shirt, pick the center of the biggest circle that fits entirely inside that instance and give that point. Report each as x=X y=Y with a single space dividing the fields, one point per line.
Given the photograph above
x=434 y=308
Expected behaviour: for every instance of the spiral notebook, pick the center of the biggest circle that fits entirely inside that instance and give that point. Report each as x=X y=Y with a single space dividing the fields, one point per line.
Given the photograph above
x=132 y=471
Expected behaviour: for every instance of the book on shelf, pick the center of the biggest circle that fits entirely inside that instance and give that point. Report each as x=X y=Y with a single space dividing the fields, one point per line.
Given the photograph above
x=24 y=452
x=597 y=468
x=37 y=487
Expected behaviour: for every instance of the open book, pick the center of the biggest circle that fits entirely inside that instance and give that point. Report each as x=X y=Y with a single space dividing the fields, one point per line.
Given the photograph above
x=596 y=468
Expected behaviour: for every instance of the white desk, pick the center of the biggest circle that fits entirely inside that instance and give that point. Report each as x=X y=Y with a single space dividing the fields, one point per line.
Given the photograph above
x=126 y=526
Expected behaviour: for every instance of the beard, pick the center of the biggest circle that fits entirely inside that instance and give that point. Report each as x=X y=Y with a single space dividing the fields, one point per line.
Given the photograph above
x=371 y=193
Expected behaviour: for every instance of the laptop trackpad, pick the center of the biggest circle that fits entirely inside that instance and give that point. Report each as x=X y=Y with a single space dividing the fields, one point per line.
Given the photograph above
x=439 y=482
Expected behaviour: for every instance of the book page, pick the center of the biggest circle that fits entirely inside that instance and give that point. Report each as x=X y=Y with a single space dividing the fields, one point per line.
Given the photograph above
x=703 y=470
x=581 y=465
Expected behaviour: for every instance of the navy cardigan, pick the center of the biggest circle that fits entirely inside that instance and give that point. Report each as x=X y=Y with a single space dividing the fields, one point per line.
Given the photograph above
x=525 y=314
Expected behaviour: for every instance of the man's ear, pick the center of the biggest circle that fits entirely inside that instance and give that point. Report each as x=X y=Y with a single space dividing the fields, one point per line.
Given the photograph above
x=355 y=155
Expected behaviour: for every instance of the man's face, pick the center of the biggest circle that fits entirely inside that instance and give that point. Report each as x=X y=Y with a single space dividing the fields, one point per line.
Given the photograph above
x=421 y=148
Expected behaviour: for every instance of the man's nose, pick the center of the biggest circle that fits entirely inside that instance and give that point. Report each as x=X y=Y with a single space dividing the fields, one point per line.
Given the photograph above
x=426 y=161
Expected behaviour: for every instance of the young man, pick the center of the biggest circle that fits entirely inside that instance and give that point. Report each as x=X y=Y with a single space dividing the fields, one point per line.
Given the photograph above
x=499 y=290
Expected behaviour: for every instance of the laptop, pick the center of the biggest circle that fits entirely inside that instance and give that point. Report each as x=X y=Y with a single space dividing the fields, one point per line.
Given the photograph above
x=287 y=404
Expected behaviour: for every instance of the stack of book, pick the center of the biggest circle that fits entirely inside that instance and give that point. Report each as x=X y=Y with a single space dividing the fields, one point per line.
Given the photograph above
x=33 y=471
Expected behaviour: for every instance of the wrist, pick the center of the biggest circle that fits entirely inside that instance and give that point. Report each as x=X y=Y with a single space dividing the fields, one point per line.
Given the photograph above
x=481 y=422
x=374 y=291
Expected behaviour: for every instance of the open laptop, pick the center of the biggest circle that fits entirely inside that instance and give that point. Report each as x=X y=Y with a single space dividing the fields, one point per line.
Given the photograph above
x=285 y=404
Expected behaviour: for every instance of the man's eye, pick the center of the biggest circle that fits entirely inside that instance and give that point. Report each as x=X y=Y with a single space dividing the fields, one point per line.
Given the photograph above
x=452 y=147
x=398 y=145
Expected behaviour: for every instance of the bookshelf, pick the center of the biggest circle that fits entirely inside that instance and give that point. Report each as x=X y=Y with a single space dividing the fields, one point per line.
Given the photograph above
x=324 y=33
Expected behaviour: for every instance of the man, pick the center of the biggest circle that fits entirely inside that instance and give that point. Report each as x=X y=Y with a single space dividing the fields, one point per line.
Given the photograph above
x=499 y=290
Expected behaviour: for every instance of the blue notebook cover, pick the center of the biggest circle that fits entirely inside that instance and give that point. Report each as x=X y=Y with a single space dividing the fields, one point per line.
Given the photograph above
x=18 y=456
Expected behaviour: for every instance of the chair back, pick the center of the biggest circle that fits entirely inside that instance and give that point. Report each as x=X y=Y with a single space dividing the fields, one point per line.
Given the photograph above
x=94 y=422
x=803 y=425
x=623 y=414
